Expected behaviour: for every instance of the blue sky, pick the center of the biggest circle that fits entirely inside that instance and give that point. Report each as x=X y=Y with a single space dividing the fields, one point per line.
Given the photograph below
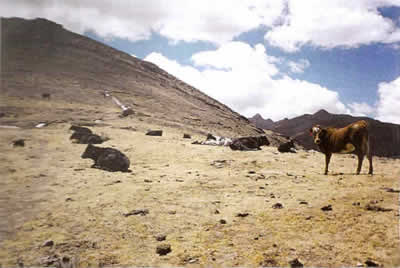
x=279 y=58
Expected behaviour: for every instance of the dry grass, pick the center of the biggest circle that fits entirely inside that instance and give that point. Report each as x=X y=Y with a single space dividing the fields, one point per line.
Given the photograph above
x=48 y=192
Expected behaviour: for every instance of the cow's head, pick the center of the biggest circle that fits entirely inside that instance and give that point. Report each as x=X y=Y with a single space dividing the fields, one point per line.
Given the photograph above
x=318 y=133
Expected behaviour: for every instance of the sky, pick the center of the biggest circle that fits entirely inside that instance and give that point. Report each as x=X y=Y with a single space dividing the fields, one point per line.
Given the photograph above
x=278 y=58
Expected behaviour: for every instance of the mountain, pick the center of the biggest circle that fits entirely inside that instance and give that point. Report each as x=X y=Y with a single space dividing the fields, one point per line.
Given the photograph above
x=260 y=122
x=385 y=137
x=41 y=57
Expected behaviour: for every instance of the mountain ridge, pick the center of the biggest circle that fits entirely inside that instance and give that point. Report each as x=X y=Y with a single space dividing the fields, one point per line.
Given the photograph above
x=385 y=137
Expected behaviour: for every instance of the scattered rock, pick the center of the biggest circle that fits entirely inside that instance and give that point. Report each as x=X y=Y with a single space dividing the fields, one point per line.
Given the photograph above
x=356 y=204
x=19 y=142
x=377 y=208
x=69 y=199
x=154 y=133
x=46 y=96
x=251 y=172
x=287 y=147
x=295 y=263
x=309 y=218
x=222 y=221
x=187 y=136
x=114 y=182
x=242 y=215
x=57 y=261
x=391 y=190
x=48 y=243
x=163 y=249
x=147 y=181
x=219 y=163
x=141 y=212
x=127 y=112
x=370 y=263
x=172 y=212
x=161 y=237
x=303 y=203
x=277 y=206
x=327 y=208
x=107 y=158
x=268 y=262
x=216 y=211
x=80 y=129
x=129 y=128
x=85 y=138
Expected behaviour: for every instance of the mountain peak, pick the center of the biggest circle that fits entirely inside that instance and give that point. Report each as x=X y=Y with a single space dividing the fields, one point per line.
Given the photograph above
x=257 y=116
x=322 y=112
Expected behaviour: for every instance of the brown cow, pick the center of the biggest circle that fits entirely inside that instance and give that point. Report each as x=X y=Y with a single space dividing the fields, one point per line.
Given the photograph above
x=353 y=138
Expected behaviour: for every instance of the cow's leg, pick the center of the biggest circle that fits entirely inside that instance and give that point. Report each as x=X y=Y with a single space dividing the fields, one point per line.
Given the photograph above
x=369 y=156
x=371 y=169
x=360 y=160
x=327 y=160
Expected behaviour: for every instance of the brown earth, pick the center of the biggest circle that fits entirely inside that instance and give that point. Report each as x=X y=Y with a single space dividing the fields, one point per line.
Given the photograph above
x=48 y=193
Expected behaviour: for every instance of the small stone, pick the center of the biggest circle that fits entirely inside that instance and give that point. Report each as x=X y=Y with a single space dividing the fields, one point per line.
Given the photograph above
x=147 y=181
x=252 y=172
x=303 y=203
x=327 y=208
x=161 y=237
x=141 y=212
x=222 y=221
x=172 y=212
x=295 y=263
x=19 y=142
x=154 y=133
x=216 y=211
x=68 y=199
x=163 y=249
x=242 y=214
x=370 y=263
x=48 y=243
x=186 y=136
x=277 y=206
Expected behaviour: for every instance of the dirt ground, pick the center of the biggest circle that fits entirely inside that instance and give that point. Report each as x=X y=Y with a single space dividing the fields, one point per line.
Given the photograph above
x=215 y=207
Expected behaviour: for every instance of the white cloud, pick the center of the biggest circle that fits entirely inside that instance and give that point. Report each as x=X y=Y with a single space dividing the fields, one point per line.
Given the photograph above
x=333 y=23
x=361 y=109
x=242 y=77
x=213 y=21
x=298 y=67
x=389 y=101
x=292 y=23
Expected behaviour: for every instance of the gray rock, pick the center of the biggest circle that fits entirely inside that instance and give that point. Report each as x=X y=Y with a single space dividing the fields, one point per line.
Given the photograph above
x=163 y=249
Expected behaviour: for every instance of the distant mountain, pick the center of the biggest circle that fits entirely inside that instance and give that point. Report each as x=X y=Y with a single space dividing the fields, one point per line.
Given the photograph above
x=39 y=56
x=260 y=122
x=385 y=137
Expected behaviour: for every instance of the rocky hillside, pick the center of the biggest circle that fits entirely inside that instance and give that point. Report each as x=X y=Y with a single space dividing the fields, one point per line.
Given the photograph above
x=40 y=56
x=385 y=136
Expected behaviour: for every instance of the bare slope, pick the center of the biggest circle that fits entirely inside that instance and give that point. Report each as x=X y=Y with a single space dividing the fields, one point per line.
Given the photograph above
x=40 y=56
